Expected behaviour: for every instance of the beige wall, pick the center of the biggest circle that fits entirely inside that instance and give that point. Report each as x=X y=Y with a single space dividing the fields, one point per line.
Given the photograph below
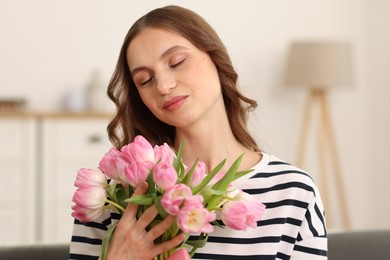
x=48 y=47
x=379 y=108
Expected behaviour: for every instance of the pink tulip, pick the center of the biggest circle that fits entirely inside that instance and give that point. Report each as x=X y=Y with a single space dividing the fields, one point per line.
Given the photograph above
x=85 y=214
x=164 y=175
x=109 y=164
x=137 y=172
x=195 y=219
x=181 y=254
x=254 y=204
x=199 y=174
x=138 y=151
x=164 y=154
x=90 y=197
x=121 y=166
x=126 y=153
x=90 y=177
x=242 y=212
x=174 y=197
x=194 y=200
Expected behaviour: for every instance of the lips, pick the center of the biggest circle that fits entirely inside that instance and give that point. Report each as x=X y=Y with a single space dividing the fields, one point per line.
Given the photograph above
x=174 y=103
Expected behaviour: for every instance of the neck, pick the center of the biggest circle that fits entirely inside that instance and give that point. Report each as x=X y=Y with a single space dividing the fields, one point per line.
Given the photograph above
x=212 y=142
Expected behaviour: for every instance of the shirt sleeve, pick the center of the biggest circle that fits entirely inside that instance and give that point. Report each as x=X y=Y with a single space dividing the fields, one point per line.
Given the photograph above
x=87 y=238
x=312 y=238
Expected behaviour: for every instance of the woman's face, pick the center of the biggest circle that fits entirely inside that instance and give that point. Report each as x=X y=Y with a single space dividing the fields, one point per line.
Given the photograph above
x=176 y=81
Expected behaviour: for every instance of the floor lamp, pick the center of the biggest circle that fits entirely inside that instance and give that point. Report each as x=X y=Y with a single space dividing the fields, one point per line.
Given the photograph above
x=321 y=67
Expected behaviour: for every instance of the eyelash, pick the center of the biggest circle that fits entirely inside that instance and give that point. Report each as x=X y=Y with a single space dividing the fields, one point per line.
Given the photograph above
x=177 y=63
x=146 y=82
x=171 y=66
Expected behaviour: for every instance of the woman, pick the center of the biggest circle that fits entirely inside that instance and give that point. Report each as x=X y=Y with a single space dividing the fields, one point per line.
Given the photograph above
x=174 y=81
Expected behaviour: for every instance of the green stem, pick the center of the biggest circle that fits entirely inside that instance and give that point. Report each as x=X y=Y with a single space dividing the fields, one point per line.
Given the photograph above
x=223 y=201
x=193 y=251
x=116 y=205
x=174 y=228
x=215 y=209
x=228 y=198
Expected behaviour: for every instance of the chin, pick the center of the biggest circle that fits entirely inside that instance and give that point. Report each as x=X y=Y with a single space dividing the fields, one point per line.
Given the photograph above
x=181 y=123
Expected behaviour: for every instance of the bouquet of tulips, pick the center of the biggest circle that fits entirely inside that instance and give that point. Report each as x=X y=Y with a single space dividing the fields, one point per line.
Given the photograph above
x=188 y=193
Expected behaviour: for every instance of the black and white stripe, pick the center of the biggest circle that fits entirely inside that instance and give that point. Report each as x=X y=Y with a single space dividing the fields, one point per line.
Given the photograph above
x=293 y=224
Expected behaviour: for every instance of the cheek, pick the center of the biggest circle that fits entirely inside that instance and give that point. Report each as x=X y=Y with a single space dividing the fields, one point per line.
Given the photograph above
x=207 y=75
x=211 y=85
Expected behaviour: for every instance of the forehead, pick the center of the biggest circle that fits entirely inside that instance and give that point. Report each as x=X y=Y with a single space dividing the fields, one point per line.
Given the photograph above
x=152 y=42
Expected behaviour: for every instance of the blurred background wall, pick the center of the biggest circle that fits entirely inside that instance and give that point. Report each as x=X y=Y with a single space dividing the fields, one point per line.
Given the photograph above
x=48 y=48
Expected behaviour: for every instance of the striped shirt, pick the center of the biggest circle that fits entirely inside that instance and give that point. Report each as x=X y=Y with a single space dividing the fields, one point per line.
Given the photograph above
x=292 y=226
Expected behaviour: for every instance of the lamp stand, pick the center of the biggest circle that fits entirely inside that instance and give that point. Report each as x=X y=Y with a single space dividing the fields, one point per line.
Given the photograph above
x=326 y=149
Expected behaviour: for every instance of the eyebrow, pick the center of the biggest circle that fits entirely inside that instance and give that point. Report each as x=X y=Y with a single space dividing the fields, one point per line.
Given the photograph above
x=163 y=55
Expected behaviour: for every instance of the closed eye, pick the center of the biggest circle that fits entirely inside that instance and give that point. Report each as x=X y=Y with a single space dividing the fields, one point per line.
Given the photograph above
x=146 y=81
x=177 y=63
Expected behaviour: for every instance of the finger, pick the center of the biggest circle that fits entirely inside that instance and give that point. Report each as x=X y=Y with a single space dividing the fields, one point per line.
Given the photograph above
x=128 y=218
x=147 y=217
x=167 y=245
x=131 y=209
x=160 y=228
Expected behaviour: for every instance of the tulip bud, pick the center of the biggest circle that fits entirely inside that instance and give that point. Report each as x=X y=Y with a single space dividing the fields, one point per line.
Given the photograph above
x=108 y=164
x=137 y=172
x=164 y=154
x=90 y=177
x=198 y=175
x=86 y=215
x=90 y=197
x=164 y=175
x=242 y=212
x=138 y=151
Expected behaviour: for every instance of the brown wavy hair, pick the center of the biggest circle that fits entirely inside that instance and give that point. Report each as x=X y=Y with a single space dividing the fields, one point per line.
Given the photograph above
x=134 y=118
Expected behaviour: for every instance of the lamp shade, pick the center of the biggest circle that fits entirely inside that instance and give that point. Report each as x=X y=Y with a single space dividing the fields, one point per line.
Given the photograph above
x=319 y=64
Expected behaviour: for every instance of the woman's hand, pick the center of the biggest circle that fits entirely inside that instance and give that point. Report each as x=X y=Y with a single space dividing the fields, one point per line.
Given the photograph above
x=132 y=241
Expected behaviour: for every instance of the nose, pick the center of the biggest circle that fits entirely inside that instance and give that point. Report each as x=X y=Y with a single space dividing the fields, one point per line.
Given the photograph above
x=165 y=83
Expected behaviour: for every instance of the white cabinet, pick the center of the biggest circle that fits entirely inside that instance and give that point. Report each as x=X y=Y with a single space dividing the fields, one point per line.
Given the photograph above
x=40 y=155
x=17 y=174
x=68 y=145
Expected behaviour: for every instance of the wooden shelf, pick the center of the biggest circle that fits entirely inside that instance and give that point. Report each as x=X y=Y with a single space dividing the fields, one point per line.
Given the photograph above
x=55 y=114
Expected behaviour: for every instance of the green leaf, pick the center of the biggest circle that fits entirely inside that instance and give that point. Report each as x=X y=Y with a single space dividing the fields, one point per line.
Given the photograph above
x=241 y=174
x=208 y=193
x=228 y=177
x=177 y=163
x=216 y=192
x=208 y=178
x=216 y=223
x=189 y=174
x=145 y=200
x=110 y=189
x=160 y=208
x=151 y=183
x=223 y=184
x=201 y=242
x=106 y=241
x=182 y=171
x=117 y=193
x=121 y=195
